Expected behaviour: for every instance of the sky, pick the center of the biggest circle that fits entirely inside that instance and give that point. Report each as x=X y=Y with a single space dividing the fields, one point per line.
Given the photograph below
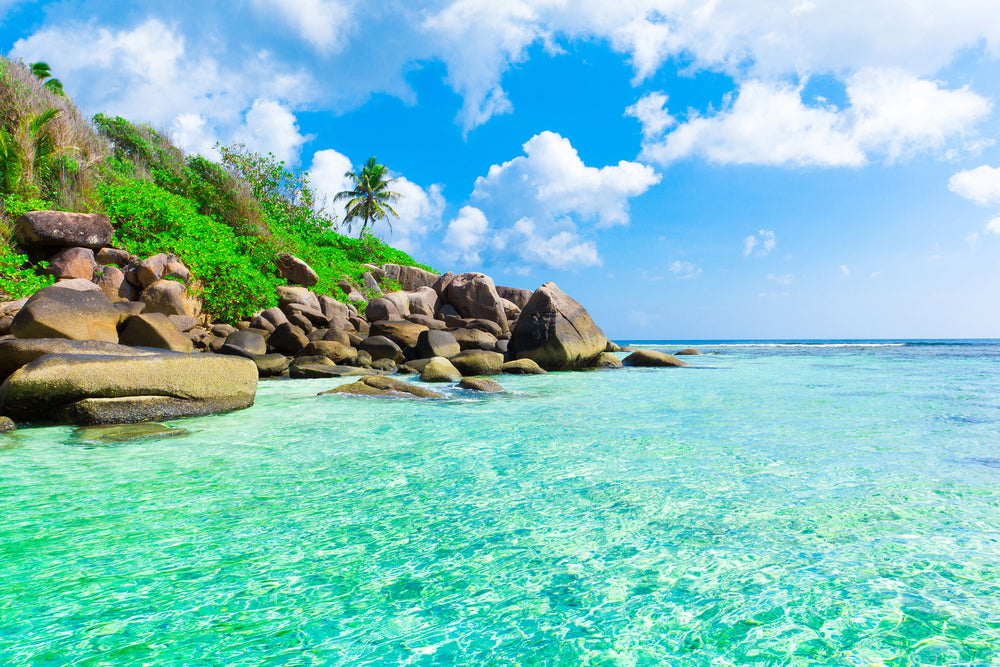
x=686 y=169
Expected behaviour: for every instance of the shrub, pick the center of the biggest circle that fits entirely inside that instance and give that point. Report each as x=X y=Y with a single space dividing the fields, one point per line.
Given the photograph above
x=236 y=275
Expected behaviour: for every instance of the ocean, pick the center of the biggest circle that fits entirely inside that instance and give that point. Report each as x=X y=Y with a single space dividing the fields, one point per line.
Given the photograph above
x=793 y=502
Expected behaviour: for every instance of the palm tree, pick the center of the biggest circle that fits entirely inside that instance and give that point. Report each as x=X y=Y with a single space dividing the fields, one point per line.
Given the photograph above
x=44 y=72
x=370 y=199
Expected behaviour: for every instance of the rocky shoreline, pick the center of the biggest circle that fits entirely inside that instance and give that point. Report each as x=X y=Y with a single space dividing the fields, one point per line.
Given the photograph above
x=120 y=339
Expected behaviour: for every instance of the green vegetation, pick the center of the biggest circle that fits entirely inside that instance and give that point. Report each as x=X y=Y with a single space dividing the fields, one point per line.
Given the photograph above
x=370 y=198
x=226 y=221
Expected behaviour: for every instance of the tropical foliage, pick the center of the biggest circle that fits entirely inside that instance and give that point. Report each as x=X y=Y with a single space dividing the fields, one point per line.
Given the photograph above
x=226 y=221
x=370 y=200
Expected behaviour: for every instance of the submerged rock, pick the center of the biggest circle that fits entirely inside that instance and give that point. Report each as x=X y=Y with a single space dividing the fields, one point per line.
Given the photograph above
x=652 y=358
x=481 y=384
x=7 y=425
x=120 y=433
x=380 y=385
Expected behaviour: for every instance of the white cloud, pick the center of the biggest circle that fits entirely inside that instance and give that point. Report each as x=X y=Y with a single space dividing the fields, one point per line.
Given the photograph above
x=419 y=211
x=980 y=185
x=781 y=279
x=559 y=250
x=323 y=23
x=147 y=73
x=972 y=238
x=993 y=226
x=845 y=271
x=651 y=112
x=467 y=233
x=891 y=115
x=684 y=270
x=550 y=180
x=480 y=40
x=271 y=128
x=326 y=177
x=557 y=200
x=763 y=245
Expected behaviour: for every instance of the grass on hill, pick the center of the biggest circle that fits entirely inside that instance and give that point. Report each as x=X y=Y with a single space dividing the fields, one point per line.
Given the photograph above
x=226 y=221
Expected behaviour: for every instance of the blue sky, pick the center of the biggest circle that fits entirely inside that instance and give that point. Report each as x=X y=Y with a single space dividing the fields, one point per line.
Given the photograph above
x=685 y=169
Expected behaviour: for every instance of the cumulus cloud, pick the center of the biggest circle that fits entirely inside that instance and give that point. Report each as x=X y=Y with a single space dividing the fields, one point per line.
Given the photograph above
x=148 y=73
x=760 y=246
x=323 y=23
x=550 y=180
x=326 y=177
x=479 y=40
x=890 y=115
x=271 y=127
x=993 y=226
x=980 y=185
x=557 y=201
x=563 y=249
x=467 y=233
x=651 y=112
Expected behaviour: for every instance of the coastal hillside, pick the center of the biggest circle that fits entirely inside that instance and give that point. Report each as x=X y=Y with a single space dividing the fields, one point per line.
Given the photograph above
x=229 y=222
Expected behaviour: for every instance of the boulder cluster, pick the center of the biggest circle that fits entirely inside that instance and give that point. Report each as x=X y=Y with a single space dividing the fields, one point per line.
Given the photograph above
x=114 y=340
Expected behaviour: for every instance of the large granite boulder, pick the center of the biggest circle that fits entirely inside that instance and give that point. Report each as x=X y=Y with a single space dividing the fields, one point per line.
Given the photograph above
x=58 y=229
x=381 y=309
x=170 y=298
x=652 y=359
x=154 y=330
x=409 y=277
x=58 y=312
x=519 y=297
x=424 y=301
x=288 y=294
x=402 y=332
x=380 y=347
x=60 y=388
x=380 y=385
x=478 y=362
x=159 y=266
x=288 y=339
x=294 y=270
x=72 y=263
x=113 y=257
x=245 y=343
x=15 y=353
x=556 y=332
x=335 y=351
x=434 y=343
x=112 y=282
x=439 y=369
x=475 y=295
x=474 y=339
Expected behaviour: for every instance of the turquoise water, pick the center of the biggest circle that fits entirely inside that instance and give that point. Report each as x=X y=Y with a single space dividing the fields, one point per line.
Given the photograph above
x=771 y=505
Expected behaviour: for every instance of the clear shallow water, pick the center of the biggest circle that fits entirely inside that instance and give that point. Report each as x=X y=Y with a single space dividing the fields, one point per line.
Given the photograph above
x=771 y=505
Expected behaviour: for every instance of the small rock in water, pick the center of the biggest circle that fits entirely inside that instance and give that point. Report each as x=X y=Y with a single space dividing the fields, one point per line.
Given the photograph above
x=7 y=425
x=481 y=384
x=687 y=352
x=652 y=358
x=381 y=385
x=116 y=434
